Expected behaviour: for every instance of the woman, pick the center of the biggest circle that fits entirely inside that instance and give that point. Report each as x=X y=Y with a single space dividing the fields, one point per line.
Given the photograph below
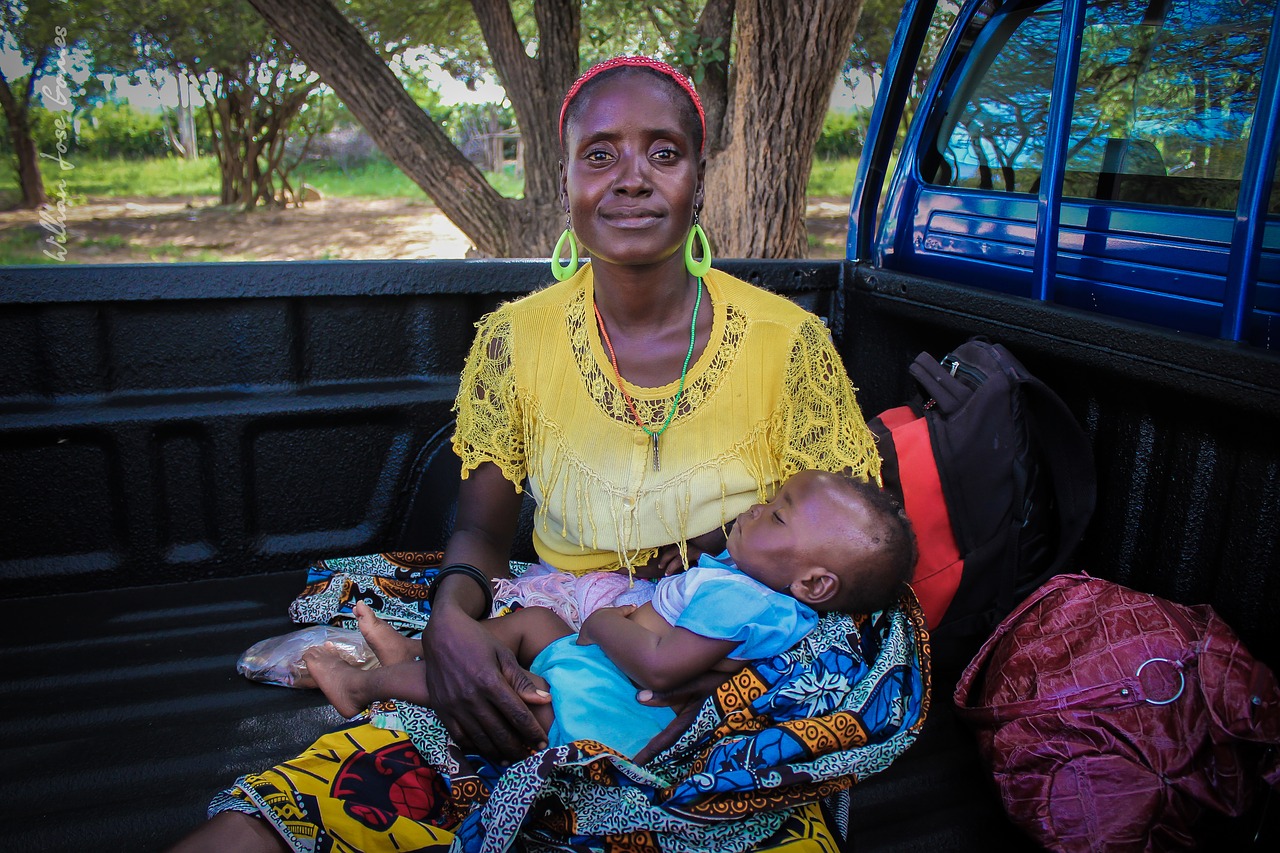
x=672 y=399
x=646 y=400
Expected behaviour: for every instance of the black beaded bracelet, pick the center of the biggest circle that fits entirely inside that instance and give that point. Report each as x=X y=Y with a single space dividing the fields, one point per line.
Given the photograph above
x=470 y=571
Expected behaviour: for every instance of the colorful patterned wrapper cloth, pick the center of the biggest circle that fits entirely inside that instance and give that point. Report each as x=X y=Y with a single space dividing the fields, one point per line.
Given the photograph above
x=786 y=731
x=793 y=729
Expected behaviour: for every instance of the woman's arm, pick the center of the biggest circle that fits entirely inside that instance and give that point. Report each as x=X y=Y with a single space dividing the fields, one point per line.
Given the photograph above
x=655 y=661
x=477 y=688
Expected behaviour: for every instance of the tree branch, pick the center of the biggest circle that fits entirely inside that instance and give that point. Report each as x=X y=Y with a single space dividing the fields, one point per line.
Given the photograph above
x=535 y=86
x=335 y=49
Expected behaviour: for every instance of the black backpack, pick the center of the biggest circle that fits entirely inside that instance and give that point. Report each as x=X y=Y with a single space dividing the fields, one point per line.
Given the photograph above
x=998 y=480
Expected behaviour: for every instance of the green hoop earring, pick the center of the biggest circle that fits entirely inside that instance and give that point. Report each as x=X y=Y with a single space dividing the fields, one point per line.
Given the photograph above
x=697 y=269
x=565 y=272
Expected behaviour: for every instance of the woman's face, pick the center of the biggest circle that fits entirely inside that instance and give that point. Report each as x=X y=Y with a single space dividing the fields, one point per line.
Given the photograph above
x=632 y=173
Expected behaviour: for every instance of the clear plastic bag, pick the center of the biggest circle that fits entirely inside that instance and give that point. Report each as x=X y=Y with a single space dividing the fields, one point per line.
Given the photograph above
x=278 y=660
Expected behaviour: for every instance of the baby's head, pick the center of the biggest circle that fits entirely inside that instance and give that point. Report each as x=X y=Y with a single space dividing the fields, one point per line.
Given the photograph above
x=833 y=542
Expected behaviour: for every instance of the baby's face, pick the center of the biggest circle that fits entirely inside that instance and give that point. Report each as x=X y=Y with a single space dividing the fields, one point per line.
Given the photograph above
x=808 y=524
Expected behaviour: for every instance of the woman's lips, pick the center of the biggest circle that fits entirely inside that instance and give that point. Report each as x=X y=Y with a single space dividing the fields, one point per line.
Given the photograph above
x=632 y=218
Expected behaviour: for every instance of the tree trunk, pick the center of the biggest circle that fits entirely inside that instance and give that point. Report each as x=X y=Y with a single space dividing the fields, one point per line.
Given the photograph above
x=716 y=21
x=788 y=55
x=335 y=49
x=535 y=84
x=29 y=178
x=535 y=87
x=24 y=149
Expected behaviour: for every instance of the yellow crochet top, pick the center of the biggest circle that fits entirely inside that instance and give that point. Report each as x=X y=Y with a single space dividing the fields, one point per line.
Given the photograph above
x=768 y=397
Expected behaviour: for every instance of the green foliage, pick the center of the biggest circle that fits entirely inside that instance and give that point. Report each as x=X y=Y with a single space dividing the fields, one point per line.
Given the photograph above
x=48 y=37
x=252 y=84
x=869 y=53
x=448 y=28
x=113 y=129
x=506 y=182
x=842 y=135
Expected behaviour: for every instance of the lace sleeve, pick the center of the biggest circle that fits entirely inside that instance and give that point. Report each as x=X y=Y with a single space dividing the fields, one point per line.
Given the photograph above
x=818 y=423
x=487 y=408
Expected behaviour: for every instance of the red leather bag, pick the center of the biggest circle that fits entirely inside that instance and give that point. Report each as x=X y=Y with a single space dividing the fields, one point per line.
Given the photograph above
x=1111 y=719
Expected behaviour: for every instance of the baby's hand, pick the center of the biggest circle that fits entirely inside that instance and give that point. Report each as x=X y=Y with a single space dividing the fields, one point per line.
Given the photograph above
x=666 y=562
x=655 y=568
x=669 y=561
x=598 y=623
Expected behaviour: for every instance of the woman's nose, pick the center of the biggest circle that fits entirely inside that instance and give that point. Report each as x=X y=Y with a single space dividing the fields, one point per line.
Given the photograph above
x=632 y=175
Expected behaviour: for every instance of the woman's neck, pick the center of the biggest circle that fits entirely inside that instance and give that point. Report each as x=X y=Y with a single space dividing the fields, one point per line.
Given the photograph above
x=634 y=299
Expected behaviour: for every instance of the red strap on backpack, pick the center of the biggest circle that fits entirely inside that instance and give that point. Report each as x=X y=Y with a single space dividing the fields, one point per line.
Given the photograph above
x=908 y=469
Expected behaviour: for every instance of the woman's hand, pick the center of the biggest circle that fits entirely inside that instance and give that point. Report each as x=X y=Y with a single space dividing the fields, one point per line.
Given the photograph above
x=686 y=701
x=479 y=691
x=477 y=688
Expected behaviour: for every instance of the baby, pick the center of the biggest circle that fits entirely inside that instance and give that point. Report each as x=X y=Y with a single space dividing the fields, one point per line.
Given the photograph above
x=825 y=542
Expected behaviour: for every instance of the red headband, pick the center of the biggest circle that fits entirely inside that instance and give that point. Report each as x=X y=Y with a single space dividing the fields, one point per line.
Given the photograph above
x=635 y=62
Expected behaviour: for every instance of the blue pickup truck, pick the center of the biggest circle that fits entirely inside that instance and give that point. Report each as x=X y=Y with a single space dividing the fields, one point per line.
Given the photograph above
x=1091 y=183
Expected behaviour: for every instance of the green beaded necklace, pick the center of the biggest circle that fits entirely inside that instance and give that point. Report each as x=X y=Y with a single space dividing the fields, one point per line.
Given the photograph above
x=684 y=372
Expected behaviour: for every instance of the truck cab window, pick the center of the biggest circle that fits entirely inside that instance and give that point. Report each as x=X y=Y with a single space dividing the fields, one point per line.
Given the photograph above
x=1163 y=111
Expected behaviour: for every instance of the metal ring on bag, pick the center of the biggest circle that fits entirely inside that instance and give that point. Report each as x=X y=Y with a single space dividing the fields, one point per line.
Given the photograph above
x=1181 y=677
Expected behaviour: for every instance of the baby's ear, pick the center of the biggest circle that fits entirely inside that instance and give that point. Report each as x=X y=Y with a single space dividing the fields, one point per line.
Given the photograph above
x=817 y=587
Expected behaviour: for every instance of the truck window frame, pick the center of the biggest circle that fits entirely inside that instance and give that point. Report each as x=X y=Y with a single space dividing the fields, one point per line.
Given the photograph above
x=1225 y=284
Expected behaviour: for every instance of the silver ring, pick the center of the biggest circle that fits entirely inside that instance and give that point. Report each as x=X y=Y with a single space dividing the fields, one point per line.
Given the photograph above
x=1181 y=677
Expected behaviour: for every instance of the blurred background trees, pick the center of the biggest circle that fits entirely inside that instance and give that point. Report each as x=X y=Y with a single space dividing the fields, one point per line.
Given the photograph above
x=236 y=90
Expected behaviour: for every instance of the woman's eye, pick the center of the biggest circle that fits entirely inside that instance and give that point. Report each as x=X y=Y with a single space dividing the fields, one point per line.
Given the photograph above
x=666 y=154
x=777 y=517
x=596 y=156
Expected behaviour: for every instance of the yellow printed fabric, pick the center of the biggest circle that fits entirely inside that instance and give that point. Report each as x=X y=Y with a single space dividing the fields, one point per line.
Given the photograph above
x=358 y=789
x=804 y=831
x=364 y=788
x=767 y=397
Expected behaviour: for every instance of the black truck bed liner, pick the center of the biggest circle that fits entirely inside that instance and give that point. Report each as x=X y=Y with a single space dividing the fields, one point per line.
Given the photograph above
x=125 y=715
x=138 y=563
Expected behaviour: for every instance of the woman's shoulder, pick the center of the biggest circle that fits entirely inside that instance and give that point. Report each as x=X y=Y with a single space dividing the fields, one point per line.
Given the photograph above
x=761 y=307
x=551 y=297
x=535 y=307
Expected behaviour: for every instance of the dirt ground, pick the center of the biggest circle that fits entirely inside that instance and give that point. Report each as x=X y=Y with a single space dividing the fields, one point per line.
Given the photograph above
x=121 y=230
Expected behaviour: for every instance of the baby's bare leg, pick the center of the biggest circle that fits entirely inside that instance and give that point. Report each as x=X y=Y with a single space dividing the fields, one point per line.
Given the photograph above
x=351 y=689
x=387 y=643
x=528 y=631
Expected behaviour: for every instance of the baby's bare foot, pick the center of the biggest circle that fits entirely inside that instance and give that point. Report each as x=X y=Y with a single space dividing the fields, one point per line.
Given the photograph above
x=302 y=678
x=347 y=687
x=387 y=643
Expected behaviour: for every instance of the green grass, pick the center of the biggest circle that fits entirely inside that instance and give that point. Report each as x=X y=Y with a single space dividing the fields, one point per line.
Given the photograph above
x=111 y=241
x=23 y=246
x=172 y=177
x=506 y=182
x=376 y=178
x=380 y=178
x=167 y=252
x=163 y=177
x=832 y=177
